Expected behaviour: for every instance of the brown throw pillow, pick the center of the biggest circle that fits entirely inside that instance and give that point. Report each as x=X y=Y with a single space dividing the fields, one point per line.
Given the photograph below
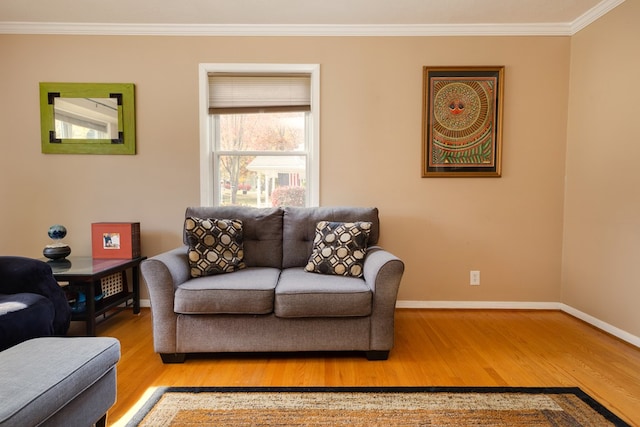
x=215 y=245
x=339 y=248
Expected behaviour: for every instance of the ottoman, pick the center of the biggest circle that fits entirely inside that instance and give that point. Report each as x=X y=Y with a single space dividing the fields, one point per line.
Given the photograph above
x=58 y=381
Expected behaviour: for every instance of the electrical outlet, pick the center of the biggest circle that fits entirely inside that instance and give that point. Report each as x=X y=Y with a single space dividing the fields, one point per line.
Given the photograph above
x=474 y=278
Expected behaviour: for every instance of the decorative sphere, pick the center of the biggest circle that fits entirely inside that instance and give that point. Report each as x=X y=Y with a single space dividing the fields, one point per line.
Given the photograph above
x=57 y=232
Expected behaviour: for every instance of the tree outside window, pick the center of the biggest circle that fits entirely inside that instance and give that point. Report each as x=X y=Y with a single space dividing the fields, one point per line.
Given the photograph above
x=259 y=169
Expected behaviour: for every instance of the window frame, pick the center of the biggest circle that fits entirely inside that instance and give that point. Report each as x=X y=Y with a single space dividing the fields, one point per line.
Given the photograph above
x=208 y=191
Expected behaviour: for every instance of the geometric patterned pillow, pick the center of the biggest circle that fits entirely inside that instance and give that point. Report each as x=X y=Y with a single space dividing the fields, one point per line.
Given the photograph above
x=339 y=248
x=215 y=245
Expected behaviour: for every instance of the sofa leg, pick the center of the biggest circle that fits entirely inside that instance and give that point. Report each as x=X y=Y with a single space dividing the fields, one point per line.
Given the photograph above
x=173 y=357
x=377 y=354
x=102 y=422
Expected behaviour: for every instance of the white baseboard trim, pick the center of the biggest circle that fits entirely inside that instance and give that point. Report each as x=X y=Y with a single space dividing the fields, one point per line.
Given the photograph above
x=610 y=329
x=510 y=305
x=462 y=305
x=516 y=305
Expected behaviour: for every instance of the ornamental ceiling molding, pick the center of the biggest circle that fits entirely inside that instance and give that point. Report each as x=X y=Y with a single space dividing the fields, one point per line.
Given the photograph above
x=405 y=30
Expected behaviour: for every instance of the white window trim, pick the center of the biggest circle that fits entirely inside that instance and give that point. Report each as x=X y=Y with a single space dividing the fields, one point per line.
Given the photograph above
x=207 y=190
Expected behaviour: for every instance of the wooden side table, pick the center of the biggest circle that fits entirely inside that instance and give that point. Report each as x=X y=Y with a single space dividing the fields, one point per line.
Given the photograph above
x=85 y=274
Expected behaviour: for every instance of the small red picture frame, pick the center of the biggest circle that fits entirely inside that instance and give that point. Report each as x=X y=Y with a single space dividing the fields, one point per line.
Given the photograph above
x=115 y=240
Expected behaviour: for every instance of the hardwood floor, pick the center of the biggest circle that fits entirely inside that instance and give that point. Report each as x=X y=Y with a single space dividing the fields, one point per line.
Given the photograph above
x=433 y=348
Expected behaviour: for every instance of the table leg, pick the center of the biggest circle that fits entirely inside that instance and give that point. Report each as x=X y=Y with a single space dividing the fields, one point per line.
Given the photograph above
x=91 y=309
x=136 y=289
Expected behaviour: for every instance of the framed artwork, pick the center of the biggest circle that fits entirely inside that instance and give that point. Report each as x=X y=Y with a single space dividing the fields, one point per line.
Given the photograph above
x=462 y=121
x=115 y=240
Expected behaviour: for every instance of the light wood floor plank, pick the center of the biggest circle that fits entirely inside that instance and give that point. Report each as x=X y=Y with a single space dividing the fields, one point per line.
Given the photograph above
x=433 y=348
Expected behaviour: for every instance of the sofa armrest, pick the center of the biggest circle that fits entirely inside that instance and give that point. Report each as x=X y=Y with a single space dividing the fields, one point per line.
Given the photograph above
x=19 y=274
x=383 y=272
x=163 y=273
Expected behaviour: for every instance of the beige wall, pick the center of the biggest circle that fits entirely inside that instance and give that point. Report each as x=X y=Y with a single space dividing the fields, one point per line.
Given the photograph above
x=602 y=208
x=509 y=228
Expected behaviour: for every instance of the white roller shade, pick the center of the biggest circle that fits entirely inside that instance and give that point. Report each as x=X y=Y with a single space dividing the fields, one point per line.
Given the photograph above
x=244 y=93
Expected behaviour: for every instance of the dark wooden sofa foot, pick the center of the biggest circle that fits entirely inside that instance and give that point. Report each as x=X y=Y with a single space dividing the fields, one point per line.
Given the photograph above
x=102 y=422
x=377 y=355
x=173 y=357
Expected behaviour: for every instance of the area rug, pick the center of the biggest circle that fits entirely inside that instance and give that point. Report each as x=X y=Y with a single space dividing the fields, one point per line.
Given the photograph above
x=370 y=407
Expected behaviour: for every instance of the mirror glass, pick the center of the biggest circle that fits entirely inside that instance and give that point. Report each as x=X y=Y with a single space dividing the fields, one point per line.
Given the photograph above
x=86 y=118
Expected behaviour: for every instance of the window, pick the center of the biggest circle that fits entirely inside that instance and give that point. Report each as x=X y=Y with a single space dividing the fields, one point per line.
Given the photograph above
x=259 y=134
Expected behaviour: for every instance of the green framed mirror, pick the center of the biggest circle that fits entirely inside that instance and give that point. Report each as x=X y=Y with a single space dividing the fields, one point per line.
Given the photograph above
x=87 y=118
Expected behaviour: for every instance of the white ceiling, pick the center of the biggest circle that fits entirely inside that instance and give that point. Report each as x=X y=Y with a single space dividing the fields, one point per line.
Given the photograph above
x=301 y=17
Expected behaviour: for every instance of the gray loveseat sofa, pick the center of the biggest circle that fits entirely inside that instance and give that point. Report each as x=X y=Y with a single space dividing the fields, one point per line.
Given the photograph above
x=274 y=305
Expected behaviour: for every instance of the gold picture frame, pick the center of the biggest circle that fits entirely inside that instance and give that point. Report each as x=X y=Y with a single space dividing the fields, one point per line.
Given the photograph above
x=462 y=121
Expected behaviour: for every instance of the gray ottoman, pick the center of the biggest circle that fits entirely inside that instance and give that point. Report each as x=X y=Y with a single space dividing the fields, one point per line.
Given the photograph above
x=58 y=381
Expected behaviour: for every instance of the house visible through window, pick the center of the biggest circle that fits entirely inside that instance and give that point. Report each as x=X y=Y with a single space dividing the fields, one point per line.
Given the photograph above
x=260 y=141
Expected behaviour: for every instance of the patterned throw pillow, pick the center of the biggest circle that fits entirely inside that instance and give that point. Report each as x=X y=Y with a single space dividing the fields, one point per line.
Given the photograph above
x=339 y=248
x=215 y=245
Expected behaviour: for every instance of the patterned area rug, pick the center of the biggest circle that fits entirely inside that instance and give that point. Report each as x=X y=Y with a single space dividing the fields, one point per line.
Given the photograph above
x=369 y=407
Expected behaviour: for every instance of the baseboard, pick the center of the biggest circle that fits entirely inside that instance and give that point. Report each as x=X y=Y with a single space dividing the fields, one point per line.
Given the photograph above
x=510 y=305
x=488 y=305
x=517 y=305
x=610 y=329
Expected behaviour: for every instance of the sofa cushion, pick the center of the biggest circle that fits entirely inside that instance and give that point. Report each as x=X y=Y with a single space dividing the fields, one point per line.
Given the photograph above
x=262 y=231
x=247 y=291
x=299 y=229
x=300 y=294
x=339 y=248
x=215 y=245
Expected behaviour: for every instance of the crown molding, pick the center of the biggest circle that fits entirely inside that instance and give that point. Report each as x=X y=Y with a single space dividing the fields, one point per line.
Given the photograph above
x=65 y=28
x=594 y=14
x=409 y=30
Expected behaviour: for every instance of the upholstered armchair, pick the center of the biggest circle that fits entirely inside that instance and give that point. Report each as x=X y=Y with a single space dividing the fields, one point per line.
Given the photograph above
x=32 y=304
